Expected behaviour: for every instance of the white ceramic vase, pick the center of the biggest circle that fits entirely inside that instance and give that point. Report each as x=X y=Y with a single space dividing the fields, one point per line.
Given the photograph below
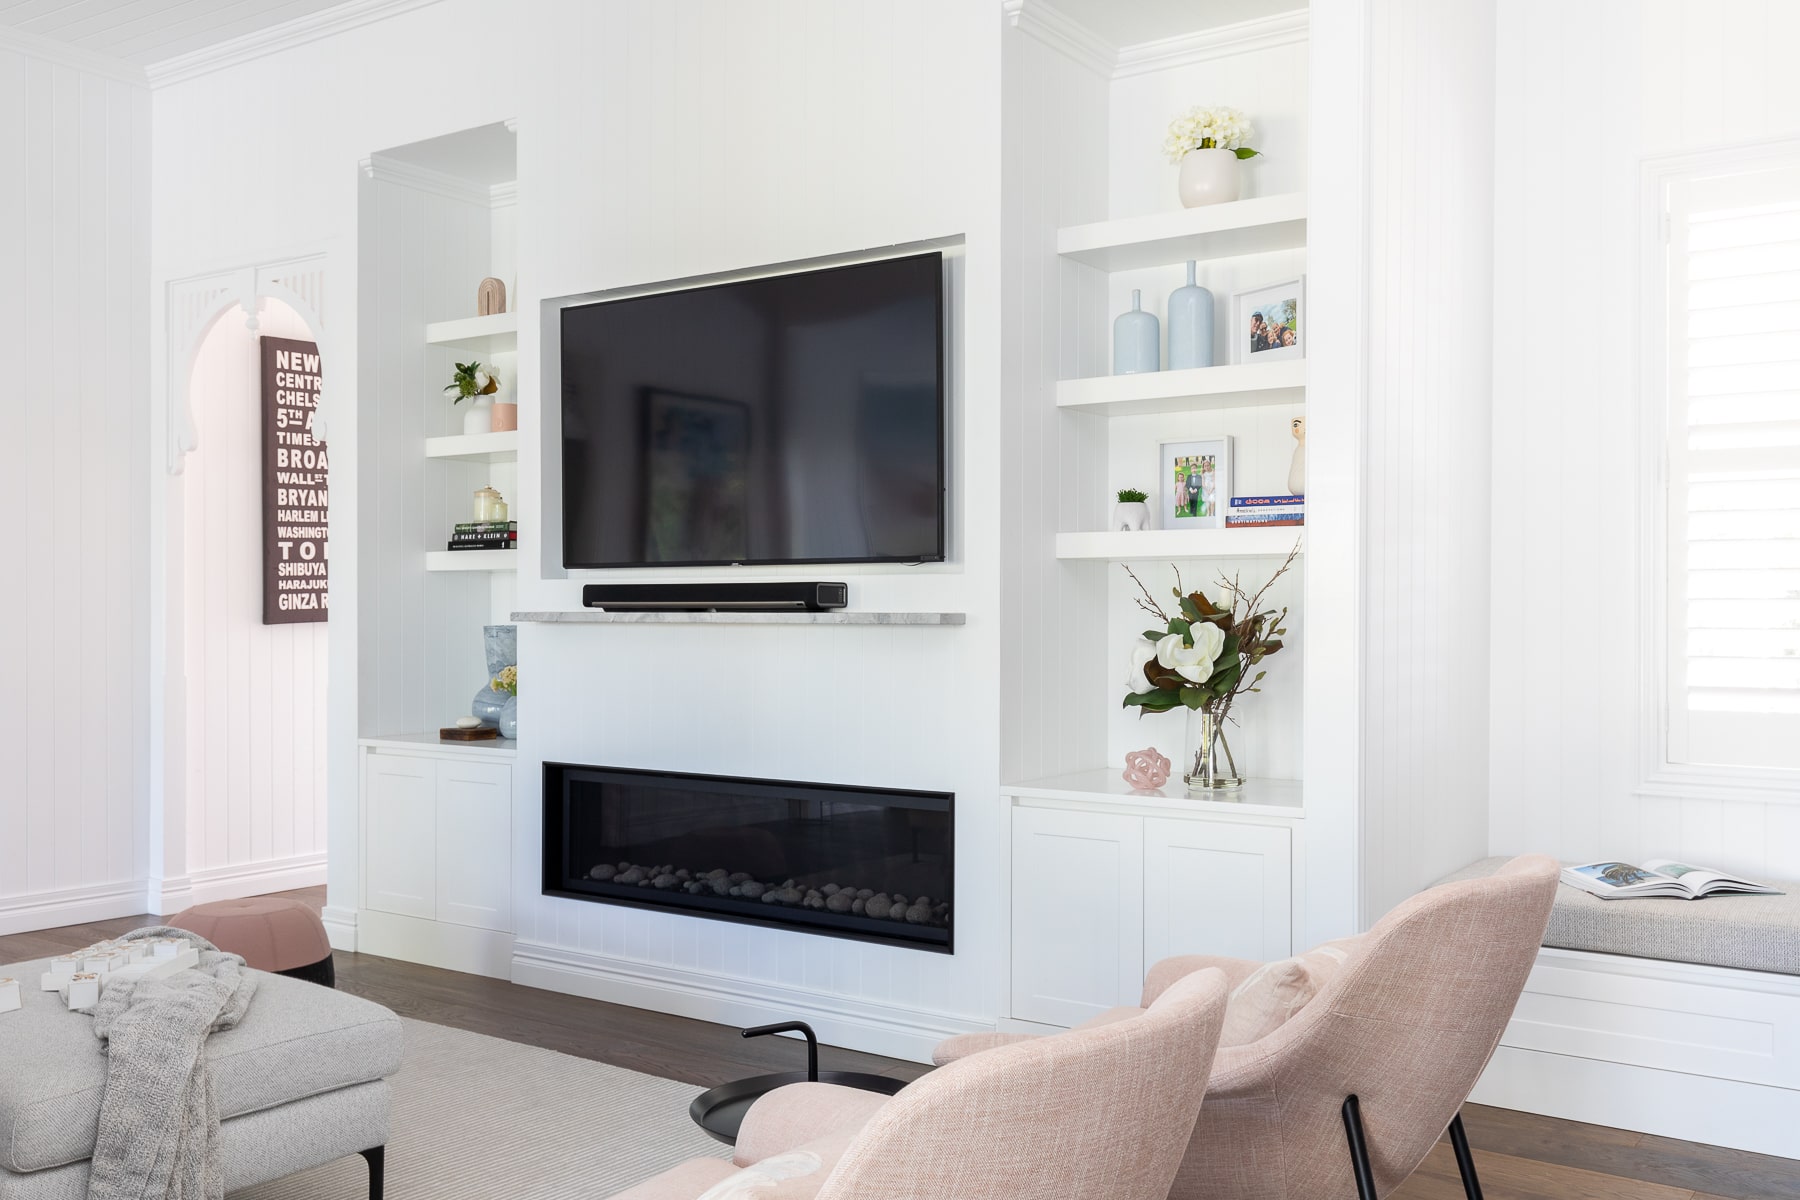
x=1208 y=177
x=480 y=417
x=1130 y=515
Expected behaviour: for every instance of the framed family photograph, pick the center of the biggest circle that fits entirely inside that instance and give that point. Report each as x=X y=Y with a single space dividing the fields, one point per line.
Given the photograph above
x=1196 y=482
x=1268 y=324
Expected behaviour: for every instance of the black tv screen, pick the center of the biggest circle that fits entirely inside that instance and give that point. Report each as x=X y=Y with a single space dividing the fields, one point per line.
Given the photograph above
x=790 y=419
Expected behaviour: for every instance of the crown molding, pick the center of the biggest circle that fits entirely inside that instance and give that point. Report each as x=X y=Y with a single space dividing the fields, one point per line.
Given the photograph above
x=500 y=195
x=424 y=179
x=1260 y=33
x=285 y=36
x=1061 y=32
x=64 y=55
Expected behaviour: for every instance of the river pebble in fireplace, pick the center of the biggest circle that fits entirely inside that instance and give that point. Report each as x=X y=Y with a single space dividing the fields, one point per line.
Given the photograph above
x=792 y=893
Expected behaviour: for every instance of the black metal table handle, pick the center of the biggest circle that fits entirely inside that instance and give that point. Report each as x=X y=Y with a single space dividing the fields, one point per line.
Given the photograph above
x=800 y=1027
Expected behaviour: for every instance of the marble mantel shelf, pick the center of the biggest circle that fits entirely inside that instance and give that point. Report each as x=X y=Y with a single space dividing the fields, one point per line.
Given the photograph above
x=590 y=616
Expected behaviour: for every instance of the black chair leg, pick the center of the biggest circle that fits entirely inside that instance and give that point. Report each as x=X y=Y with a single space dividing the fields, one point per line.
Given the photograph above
x=1359 y=1149
x=377 y=1159
x=1465 y=1161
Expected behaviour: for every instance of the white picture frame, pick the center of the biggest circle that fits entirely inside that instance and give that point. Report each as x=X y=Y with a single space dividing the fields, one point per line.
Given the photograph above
x=1178 y=498
x=1250 y=311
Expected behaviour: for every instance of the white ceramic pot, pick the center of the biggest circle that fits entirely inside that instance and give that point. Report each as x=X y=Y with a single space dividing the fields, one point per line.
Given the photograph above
x=480 y=417
x=1130 y=515
x=1208 y=177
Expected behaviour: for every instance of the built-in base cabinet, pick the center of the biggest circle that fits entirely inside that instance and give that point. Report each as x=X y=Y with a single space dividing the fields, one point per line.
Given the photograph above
x=1099 y=894
x=437 y=859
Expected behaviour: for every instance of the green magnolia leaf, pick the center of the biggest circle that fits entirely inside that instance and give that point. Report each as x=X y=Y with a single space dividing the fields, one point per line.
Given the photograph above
x=1155 y=635
x=1156 y=701
x=1195 y=697
x=1189 y=609
x=1247 y=152
x=1180 y=626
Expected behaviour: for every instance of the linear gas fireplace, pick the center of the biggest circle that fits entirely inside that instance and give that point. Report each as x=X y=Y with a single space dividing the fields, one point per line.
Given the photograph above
x=868 y=863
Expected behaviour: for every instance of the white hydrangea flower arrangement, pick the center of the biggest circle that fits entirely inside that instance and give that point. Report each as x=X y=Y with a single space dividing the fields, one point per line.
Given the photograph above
x=1209 y=127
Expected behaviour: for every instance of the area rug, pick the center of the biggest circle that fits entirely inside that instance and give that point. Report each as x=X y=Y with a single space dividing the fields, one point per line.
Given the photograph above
x=478 y=1117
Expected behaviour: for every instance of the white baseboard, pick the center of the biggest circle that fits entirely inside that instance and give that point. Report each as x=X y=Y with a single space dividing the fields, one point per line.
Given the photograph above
x=839 y=1021
x=71 y=906
x=340 y=927
x=169 y=896
x=435 y=943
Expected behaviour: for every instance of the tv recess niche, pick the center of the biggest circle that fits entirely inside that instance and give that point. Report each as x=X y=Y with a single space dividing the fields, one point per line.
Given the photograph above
x=793 y=417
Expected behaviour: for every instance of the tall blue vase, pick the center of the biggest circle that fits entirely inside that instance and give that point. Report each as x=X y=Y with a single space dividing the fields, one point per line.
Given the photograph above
x=1136 y=340
x=1190 y=325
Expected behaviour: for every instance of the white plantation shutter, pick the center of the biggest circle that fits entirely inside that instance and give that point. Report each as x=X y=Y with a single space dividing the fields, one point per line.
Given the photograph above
x=1732 y=515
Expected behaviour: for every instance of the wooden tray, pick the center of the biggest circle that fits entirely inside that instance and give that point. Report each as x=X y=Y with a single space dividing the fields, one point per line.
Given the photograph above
x=481 y=733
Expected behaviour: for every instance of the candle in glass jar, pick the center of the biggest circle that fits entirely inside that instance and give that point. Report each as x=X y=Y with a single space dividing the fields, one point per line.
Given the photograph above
x=489 y=505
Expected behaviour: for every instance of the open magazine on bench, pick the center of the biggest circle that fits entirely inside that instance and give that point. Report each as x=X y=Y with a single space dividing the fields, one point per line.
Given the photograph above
x=1659 y=877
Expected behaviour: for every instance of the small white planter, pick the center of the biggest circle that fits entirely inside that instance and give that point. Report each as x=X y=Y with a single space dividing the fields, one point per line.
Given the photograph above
x=1130 y=516
x=480 y=418
x=1208 y=177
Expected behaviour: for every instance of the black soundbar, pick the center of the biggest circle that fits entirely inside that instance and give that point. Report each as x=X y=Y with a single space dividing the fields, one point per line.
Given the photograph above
x=715 y=597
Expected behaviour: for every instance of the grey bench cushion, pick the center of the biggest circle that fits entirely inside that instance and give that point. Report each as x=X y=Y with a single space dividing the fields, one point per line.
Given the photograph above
x=298 y=1040
x=1753 y=933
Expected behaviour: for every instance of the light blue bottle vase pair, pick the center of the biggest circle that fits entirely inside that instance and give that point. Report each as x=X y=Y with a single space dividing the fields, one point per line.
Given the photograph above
x=1137 y=341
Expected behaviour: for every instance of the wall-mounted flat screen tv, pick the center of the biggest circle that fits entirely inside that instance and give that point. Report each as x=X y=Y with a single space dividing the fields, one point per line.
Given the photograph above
x=795 y=418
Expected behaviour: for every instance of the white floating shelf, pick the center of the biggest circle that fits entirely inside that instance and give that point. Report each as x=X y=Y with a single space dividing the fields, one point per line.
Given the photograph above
x=497 y=334
x=592 y=616
x=1180 y=543
x=1192 y=390
x=471 y=560
x=431 y=743
x=1257 y=226
x=476 y=447
x=1105 y=787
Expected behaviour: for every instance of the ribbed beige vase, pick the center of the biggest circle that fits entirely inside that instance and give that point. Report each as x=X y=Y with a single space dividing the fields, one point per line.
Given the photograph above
x=1208 y=177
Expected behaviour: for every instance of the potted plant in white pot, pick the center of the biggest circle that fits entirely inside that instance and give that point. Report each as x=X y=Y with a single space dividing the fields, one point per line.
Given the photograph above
x=475 y=383
x=1207 y=142
x=1131 y=512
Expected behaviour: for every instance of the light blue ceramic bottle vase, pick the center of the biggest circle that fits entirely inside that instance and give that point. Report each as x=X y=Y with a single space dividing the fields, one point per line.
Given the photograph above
x=1190 y=325
x=1137 y=340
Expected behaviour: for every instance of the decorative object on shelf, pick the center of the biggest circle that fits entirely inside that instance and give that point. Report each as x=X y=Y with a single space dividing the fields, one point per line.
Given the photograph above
x=485 y=535
x=1196 y=482
x=1253 y=512
x=1297 y=468
x=476 y=383
x=490 y=297
x=1268 y=324
x=1207 y=142
x=507 y=681
x=488 y=704
x=490 y=505
x=505 y=416
x=1131 y=512
x=1136 y=340
x=468 y=722
x=461 y=733
x=1203 y=660
x=500 y=645
x=1190 y=325
x=1145 y=769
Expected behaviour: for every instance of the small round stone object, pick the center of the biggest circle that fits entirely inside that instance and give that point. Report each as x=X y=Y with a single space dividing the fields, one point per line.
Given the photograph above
x=918 y=914
x=634 y=875
x=859 y=906
x=603 y=871
x=839 y=902
x=664 y=882
x=878 y=907
x=751 y=889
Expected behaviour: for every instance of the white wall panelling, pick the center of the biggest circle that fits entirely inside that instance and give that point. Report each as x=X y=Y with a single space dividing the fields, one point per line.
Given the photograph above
x=1666 y=79
x=74 y=235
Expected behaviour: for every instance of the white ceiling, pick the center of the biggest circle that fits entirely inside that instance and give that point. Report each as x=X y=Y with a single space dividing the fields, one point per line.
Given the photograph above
x=148 y=31
x=1130 y=22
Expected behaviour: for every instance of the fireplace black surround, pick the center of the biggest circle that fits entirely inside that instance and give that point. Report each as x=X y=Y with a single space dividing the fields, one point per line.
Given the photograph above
x=874 y=864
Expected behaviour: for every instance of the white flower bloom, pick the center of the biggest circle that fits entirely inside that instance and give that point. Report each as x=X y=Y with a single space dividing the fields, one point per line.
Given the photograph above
x=1193 y=663
x=1228 y=129
x=482 y=379
x=1141 y=654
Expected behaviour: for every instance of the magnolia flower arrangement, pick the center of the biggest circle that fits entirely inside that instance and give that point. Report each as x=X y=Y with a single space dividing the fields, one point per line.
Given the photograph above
x=1209 y=127
x=507 y=681
x=1205 y=657
x=471 y=380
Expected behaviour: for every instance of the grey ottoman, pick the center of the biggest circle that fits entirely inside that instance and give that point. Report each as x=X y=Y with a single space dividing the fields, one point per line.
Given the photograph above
x=300 y=1082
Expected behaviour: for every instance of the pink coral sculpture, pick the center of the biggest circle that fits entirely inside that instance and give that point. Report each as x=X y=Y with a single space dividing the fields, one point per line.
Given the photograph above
x=1145 y=769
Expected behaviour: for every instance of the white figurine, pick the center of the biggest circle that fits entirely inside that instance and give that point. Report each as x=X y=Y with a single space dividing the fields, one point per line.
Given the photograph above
x=9 y=996
x=1297 y=470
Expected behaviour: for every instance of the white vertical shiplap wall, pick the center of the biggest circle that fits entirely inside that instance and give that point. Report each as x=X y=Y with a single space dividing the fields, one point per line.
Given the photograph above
x=1427 y=460
x=255 y=725
x=1658 y=77
x=1053 y=470
x=74 y=241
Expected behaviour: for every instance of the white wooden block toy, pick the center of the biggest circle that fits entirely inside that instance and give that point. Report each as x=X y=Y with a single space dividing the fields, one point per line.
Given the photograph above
x=84 y=991
x=9 y=996
x=166 y=947
x=60 y=971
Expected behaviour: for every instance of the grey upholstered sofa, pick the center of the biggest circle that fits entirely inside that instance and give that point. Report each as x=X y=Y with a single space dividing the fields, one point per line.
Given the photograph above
x=300 y=1082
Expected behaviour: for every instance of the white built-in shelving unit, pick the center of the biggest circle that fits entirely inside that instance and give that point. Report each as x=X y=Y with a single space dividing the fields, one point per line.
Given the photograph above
x=493 y=334
x=1194 y=389
x=471 y=560
x=475 y=447
x=1256 y=226
x=1179 y=543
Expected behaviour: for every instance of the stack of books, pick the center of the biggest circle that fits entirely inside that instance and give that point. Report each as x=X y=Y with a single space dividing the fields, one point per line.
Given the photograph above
x=1263 y=511
x=485 y=535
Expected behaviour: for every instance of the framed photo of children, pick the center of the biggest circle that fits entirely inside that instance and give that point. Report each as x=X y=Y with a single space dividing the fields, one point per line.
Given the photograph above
x=1268 y=324
x=1196 y=482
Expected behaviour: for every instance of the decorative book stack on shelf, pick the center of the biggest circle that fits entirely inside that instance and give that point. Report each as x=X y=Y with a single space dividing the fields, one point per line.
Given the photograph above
x=485 y=535
x=1261 y=512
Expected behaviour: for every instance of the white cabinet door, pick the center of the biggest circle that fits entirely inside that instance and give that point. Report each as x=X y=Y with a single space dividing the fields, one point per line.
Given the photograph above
x=1217 y=887
x=400 y=834
x=474 y=844
x=1078 y=917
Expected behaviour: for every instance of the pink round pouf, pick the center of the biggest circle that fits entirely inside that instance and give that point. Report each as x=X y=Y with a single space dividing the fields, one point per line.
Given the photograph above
x=272 y=934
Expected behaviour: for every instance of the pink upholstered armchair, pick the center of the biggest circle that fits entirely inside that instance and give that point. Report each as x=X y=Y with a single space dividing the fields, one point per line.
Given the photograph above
x=1345 y=1099
x=1101 y=1113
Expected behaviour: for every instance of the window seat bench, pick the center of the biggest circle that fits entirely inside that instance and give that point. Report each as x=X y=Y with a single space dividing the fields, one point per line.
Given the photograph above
x=1679 y=1018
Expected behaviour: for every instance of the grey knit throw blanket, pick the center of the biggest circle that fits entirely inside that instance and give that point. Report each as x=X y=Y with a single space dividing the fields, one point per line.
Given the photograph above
x=159 y=1123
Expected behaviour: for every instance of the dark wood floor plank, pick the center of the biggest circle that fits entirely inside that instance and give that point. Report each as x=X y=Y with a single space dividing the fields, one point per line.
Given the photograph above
x=1504 y=1177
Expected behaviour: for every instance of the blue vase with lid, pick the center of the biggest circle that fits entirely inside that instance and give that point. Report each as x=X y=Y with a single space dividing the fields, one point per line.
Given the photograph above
x=1190 y=325
x=1137 y=340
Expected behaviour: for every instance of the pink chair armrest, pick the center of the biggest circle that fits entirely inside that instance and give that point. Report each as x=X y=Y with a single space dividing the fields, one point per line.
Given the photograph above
x=962 y=1045
x=792 y=1116
x=684 y=1182
x=1164 y=974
